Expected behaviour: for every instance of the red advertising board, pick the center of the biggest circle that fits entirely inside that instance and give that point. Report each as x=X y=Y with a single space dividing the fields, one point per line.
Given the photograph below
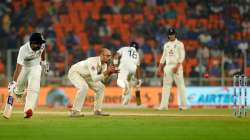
x=150 y=96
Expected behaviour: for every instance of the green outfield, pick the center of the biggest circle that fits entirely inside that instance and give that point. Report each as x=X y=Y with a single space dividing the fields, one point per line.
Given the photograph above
x=145 y=124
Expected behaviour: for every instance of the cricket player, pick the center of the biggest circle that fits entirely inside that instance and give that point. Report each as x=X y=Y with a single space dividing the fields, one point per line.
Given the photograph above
x=30 y=60
x=173 y=57
x=128 y=61
x=90 y=73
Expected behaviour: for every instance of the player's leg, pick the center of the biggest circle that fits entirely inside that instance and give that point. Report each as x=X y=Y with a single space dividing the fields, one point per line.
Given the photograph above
x=181 y=89
x=34 y=78
x=123 y=83
x=80 y=83
x=98 y=88
x=167 y=84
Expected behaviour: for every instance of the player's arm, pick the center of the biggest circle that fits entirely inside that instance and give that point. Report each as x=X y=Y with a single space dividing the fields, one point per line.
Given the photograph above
x=20 y=60
x=98 y=77
x=182 y=54
x=43 y=55
x=44 y=62
x=17 y=72
x=181 y=57
x=117 y=56
x=116 y=59
x=93 y=72
x=162 y=61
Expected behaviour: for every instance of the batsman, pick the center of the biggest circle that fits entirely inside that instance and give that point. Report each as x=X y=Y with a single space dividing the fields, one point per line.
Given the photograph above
x=30 y=63
x=128 y=61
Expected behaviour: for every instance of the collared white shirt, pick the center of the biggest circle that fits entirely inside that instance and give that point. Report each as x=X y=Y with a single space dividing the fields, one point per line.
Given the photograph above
x=173 y=53
x=91 y=68
x=27 y=57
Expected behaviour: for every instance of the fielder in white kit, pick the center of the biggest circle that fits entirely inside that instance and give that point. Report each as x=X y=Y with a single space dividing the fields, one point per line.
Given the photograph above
x=31 y=57
x=129 y=65
x=173 y=57
x=90 y=73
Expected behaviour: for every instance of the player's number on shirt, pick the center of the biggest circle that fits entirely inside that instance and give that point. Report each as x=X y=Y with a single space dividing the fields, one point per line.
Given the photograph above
x=132 y=54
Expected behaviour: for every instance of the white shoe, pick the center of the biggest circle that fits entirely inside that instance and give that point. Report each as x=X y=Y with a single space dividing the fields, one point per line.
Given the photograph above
x=100 y=113
x=162 y=108
x=125 y=99
x=75 y=113
x=183 y=108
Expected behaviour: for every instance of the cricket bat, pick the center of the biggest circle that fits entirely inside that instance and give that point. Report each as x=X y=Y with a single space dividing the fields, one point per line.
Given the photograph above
x=138 y=96
x=8 y=107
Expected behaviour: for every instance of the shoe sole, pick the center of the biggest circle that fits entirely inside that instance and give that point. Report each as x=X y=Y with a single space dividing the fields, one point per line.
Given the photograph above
x=161 y=109
x=101 y=114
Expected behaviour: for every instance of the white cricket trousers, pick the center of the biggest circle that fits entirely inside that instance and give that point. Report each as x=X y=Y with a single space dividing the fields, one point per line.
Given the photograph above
x=30 y=77
x=82 y=84
x=168 y=79
x=124 y=76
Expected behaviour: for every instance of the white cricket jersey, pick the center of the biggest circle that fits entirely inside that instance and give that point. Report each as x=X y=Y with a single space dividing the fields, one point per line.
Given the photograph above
x=129 y=58
x=27 y=57
x=90 y=68
x=173 y=53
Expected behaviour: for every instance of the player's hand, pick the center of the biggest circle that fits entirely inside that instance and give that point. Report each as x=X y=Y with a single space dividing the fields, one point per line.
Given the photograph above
x=12 y=87
x=112 y=69
x=45 y=66
x=159 y=72
x=138 y=83
x=175 y=69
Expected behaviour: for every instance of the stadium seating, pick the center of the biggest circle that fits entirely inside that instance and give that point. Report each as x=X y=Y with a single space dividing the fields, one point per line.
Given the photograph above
x=86 y=19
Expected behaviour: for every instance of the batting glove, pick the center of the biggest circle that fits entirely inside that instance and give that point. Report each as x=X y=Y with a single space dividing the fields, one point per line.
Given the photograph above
x=12 y=87
x=138 y=83
x=45 y=66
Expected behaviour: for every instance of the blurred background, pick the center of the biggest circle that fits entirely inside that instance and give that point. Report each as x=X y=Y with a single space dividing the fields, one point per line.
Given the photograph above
x=216 y=35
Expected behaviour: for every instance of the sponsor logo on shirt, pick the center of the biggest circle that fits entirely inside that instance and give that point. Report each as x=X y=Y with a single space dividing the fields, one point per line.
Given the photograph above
x=29 y=58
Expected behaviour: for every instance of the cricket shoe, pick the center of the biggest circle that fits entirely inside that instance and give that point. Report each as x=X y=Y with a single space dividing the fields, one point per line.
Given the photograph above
x=28 y=114
x=100 y=113
x=162 y=108
x=75 y=113
x=183 y=108
x=125 y=99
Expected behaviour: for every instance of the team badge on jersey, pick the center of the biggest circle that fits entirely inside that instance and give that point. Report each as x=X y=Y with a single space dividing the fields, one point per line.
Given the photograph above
x=171 y=52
